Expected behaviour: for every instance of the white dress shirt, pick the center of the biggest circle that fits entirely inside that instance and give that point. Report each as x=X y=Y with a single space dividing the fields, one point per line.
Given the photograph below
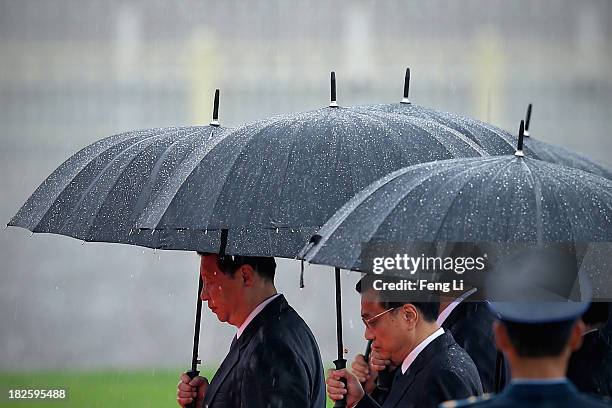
x=449 y=309
x=415 y=352
x=254 y=313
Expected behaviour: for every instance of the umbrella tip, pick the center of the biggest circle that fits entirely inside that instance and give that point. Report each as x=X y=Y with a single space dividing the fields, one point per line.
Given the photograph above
x=406 y=87
x=215 y=118
x=333 y=103
x=527 y=120
x=519 y=148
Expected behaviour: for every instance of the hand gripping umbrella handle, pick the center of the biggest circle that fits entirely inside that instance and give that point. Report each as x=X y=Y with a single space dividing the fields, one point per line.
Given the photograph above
x=340 y=364
x=385 y=377
x=192 y=374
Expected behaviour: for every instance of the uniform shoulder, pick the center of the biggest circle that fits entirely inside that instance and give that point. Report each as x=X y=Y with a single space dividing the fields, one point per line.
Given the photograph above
x=473 y=401
x=596 y=401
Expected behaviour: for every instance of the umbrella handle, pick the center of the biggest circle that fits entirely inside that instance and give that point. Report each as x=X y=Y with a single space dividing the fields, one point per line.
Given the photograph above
x=192 y=374
x=340 y=364
x=385 y=377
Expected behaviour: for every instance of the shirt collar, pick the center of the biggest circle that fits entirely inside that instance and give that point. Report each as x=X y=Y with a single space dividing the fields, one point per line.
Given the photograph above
x=415 y=352
x=254 y=313
x=449 y=309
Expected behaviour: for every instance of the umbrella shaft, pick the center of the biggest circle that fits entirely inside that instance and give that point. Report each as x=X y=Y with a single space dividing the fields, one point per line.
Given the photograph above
x=196 y=331
x=339 y=316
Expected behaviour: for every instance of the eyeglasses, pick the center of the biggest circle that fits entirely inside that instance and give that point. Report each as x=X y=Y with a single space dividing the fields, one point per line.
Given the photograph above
x=370 y=322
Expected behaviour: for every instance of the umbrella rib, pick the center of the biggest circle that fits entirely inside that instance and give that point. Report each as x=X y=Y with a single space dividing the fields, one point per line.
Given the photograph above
x=151 y=139
x=151 y=219
x=56 y=174
x=458 y=135
x=500 y=133
x=431 y=134
x=289 y=156
x=470 y=143
x=148 y=188
x=352 y=167
x=413 y=184
x=537 y=192
x=561 y=155
x=152 y=176
x=230 y=168
x=165 y=197
x=592 y=180
x=348 y=209
x=456 y=175
x=328 y=229
x=69 y=182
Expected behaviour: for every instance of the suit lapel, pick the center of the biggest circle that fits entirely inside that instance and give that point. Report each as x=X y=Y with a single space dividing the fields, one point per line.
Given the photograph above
x=401 y=385
x=226 y=367
x=273 y=309
x=399 y=388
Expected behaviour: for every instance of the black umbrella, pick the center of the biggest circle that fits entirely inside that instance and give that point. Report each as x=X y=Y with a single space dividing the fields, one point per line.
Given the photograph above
x=494 y=141
x=273 y=183
x=488 y=199
x=510 y=199
x=98 y=192
x=269 y=185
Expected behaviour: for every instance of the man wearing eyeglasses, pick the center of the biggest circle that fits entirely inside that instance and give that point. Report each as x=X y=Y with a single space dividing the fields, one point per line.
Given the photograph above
x=432 y=367
x=463 y=315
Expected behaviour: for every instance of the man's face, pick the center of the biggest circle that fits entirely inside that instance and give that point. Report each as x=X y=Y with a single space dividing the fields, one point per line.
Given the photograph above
x=221 y=292
x=388 y=332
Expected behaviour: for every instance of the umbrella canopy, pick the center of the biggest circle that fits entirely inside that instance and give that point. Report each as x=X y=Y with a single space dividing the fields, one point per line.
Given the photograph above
x=273 y=183
x=96 y=194
x=492 y=139
x=489 y=199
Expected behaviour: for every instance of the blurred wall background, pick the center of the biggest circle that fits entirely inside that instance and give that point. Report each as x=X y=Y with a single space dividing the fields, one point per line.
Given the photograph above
x=72 y=72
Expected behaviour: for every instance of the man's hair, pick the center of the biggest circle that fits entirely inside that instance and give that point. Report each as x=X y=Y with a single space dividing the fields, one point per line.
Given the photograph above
x=539 y=339
x=264 y=266
x=430 y=309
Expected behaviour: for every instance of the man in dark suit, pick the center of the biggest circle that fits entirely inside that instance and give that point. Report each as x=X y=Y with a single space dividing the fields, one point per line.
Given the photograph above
x=590 y=367
x=539 y=326
x=470 y=323
x=464 y=315
x=431 y=366
x=274 y=360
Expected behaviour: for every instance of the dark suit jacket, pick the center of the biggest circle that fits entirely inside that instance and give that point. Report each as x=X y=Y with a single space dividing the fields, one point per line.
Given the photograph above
x=274 y=363
x=442 y=371
x=471 y=324
x=590 y=367
x=562 y=395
